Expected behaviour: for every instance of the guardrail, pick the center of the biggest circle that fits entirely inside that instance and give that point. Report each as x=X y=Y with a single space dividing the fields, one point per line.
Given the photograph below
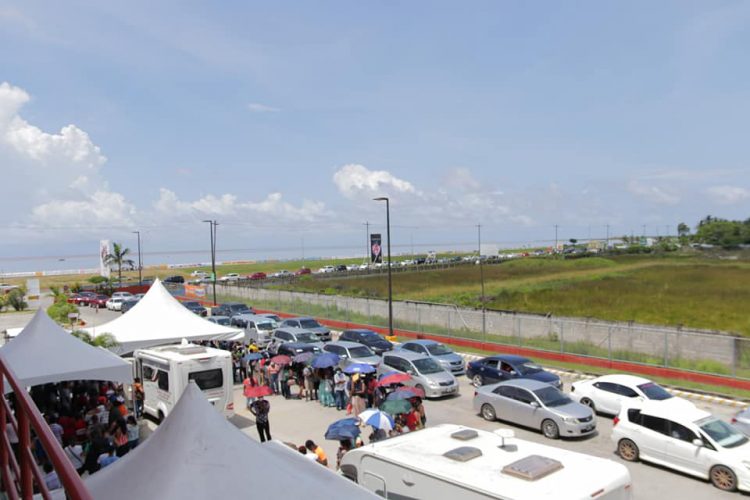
x=20 y=474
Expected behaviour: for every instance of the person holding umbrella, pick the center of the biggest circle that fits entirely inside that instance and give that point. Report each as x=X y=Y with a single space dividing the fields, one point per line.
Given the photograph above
x=260 y=408
x=359 y=393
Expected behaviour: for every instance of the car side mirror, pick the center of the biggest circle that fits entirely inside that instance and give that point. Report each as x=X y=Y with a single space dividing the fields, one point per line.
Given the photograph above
x=513 y=372
x=534 y=404
x=698 y=442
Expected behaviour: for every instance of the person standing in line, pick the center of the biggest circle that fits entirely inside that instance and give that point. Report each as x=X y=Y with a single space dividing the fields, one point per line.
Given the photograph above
x=260 y=409
x=339 y=389
x=134 y=432
x=307 y=374
x=273 y=371
x=138 y=391
x=359 y=393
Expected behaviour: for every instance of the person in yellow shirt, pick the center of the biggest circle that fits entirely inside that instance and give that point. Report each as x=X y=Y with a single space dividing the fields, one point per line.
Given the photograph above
x=314 y=448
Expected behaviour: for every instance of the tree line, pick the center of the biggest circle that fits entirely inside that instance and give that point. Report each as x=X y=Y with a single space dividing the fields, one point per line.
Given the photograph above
x=717 y=231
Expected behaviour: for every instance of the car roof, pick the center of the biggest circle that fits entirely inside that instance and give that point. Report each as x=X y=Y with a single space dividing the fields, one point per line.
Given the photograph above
x=680 y=412
x=233 y=304
x=346 y=343
x=622 y=378
x=508 y=358
x=526 y=383
x=361 y=330
x=294 y=330
x=300 y=317
x=411 y=356
x=422 y=342
x=219 y=317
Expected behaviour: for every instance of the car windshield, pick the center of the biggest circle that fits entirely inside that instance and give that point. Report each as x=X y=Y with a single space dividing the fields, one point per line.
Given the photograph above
x=360 y=352
x=654 y=391
x=273 y=317
x=551 y=396
x=427 y=366
x=192 y=304
x=266 y=325
x=306 y=337
x=221 y=321
x=238 y=307
x=438 y=350
x=309 y=323
x=528 y=367
x=367 y=334
x=721 y=432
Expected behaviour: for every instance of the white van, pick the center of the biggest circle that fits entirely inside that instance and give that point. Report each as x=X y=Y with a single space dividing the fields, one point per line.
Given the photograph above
x=166 y=371
x=452 y=461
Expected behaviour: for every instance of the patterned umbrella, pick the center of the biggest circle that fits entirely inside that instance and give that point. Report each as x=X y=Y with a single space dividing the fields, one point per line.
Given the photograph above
x=377 y=419
x=411 y=392
x=394 y=378
x=258 y=391
x=359 y=368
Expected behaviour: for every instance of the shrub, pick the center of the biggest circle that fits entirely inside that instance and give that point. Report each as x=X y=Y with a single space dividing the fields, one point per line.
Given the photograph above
x=59 y=311
x=16 y=299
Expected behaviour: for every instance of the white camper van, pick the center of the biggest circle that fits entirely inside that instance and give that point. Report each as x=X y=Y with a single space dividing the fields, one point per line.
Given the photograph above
x=166 y=371
x=452 y=461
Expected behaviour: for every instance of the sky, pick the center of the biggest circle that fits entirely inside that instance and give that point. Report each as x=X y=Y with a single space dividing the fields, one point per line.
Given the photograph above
x=282 y=120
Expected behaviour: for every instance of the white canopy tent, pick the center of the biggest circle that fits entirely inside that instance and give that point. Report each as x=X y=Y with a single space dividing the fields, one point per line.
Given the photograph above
x=197 y=453
x=157 y=319
x=43 y=352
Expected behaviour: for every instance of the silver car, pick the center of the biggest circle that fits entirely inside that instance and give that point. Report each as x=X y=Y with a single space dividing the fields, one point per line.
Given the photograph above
x=439 y=352
x=426 y=373
x=292 y=335
x=352 y=352
x=535 y=404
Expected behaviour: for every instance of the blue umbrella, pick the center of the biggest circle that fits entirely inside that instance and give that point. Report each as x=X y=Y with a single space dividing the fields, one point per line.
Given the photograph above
x=377 y=419
x=325 y=360
x=346 y=428
x=252 y=356
x=359 y=368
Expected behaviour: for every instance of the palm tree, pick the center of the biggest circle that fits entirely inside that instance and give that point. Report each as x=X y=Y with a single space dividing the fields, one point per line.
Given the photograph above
x=105 y=340
x=117 y=257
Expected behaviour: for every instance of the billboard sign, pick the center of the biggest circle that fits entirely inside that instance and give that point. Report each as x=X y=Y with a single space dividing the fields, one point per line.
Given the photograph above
x=104 y=250
x=376 y=248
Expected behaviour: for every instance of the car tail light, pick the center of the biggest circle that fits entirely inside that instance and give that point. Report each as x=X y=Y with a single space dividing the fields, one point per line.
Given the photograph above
x=615 y=421
x=475 y=393
x=230 y=406
x=734 y=420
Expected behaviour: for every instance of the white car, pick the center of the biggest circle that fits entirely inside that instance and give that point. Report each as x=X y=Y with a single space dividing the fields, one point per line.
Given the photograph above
x=122 y=295
x=607 y=394
x=689 y=440
x=199 y=274
x=282 y=274
x=115 y=303
x=230 y=277
x=327 y=269
x=364 y=267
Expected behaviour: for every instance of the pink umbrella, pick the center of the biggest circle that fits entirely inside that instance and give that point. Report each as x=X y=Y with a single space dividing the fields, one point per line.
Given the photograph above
x=394 y=378
x=281 y=359
x=258 y=391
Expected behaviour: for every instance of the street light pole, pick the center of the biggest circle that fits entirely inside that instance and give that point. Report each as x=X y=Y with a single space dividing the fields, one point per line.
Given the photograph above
x=212 y=230
x=390 y=281
x=481 y=279
x=140 y=261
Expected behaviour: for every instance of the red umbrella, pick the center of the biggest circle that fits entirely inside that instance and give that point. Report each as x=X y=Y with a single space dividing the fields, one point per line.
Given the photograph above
x=416 y=391
x=394 y=378
x=258 y=391
x=281 y=359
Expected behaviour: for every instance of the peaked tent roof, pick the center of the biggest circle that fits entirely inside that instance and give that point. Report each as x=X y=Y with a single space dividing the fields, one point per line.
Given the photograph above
x=43 y=352
x=197 y=453
x=158 y=318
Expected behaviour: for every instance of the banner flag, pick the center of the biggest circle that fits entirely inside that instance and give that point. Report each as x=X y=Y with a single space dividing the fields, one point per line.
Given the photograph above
x=104 y=250
x=376 y=249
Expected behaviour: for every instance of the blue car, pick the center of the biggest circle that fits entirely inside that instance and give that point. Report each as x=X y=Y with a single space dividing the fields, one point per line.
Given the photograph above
x=498 y=368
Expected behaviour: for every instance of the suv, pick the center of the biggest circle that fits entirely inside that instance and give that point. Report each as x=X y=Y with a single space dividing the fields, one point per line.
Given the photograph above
x=196 y=307
x=369 y=338
x=231 y=309
x=426 y=373
x=292 y=335
x=291 y=349
x=308 y=323
x=352 y=352
x=258 y=329
x=686 y=439
x=439 y=352
x=174 y=279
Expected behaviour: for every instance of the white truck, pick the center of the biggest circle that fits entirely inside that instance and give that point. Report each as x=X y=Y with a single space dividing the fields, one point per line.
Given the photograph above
x=452 y=461
x=166 y=371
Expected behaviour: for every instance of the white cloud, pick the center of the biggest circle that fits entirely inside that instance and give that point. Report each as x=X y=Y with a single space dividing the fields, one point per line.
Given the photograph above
x=728 y=195
x=102 y=208
x=356 y=180
x=653 y=194
x=257 y=107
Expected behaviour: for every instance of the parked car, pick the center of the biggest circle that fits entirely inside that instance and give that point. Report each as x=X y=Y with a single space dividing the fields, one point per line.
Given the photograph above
x=688 y=440
x=534 y=404
x=741 y=420
x=176 y=280
x=72 y=298
x=196 y=307
x=98 y=301
x=128 y=304
x=258 y=276
x=505 y=367
x=274 y=317
x=352 y=352
x=199 y=274
x=369 y=338
x=302 y=270
x=258 y=329
x=341 y=268
x=607 y=394
x=294 y=348
x=323 y=333
x=426 y=373
x=439 y=352
x=229 y=277
x=122 y=295
x=285 y=335
x=114 y=303
x=231 y=309
x=327 y=269
x=219 y=320
x=83 y=298
x=282 y=274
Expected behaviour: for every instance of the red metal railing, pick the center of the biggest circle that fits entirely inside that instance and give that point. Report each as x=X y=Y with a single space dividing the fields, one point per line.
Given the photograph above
x=19 y=478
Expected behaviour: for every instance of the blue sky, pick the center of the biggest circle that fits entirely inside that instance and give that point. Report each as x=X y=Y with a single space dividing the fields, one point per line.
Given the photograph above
x=283 y=119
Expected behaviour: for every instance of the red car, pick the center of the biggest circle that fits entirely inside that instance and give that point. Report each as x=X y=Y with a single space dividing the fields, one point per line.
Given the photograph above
x=302 y=270
x=258 y=276
x=99 y=301
x=82 y=299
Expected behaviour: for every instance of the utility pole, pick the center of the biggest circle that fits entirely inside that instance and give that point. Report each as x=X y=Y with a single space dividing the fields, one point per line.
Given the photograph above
x=212 y=230
x=555 y=251
x=140 y=260
x=607 y=246
x=481 y=280
x=367 y=242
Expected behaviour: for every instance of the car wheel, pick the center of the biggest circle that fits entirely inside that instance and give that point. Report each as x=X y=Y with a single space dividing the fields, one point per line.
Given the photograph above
x=488 y=412
x=550 y=429
x=628 y=450
x=589 y=403
x=477 y=381
x=723 y=478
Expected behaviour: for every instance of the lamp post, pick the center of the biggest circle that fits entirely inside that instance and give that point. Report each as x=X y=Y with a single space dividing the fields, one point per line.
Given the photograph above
x=481 y=280
x=140 y=261
x=212 y=229
x=390 y=281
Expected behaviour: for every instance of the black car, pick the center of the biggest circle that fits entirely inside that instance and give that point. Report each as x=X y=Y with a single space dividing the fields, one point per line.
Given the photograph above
x=230 y=309
x=127 y=305
x=341 y=268
x=174 y=279
x=196 y=307
x=294 y=348
x=369 y=338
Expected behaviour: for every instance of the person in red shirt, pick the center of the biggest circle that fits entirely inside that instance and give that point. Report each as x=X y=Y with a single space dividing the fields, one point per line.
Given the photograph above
x=412 y=420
